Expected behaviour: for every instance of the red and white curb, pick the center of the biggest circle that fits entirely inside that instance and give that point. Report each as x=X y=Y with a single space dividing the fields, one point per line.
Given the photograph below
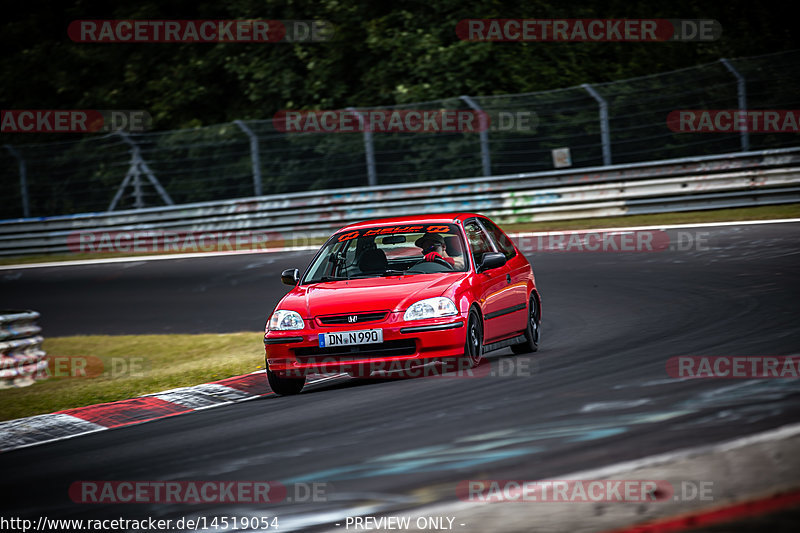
x=34 y=430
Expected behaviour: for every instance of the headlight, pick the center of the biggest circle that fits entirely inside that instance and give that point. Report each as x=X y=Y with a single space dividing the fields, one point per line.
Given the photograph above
x=431 y=308
x=282 y=320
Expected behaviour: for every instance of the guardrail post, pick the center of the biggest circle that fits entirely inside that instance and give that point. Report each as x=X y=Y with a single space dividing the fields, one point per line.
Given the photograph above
x=741 y=92
x=137 y=168
x=369 y=150
x=137 y=191
x=22 y=359
x=605 y=132
x=23 y=180
x=254 y=157
x=486 y=158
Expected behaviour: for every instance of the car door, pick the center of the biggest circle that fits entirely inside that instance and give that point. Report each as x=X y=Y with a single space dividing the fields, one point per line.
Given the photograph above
x=518 y=272
x=491 y=286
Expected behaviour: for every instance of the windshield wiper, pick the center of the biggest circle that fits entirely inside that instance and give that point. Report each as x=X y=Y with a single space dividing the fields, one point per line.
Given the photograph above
x=333 y=278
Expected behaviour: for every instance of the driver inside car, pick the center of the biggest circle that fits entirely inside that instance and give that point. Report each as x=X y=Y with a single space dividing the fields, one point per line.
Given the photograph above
x=433 y=246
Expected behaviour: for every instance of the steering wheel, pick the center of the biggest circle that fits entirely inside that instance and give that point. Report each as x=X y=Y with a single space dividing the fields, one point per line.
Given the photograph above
x=438 y=261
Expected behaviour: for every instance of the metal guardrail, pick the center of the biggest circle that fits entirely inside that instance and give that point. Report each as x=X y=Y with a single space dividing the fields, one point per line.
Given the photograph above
x=21 y=356
x=728 y=180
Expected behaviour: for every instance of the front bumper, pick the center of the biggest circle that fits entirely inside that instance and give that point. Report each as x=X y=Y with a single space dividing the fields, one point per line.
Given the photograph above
x=404 y=342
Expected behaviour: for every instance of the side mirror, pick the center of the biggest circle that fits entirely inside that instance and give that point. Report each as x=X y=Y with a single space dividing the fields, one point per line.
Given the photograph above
x=491 y=260
x=290 y=276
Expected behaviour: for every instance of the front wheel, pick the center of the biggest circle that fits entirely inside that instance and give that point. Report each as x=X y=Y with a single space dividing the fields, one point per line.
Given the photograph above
x=532 y=331
x=284 y=386
x=473 y=346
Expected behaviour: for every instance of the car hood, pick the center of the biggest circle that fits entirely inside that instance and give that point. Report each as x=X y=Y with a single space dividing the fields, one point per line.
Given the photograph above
x=395 y=293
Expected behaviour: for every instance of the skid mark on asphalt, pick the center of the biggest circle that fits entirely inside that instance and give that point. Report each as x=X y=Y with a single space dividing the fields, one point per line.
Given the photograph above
x=746 y=403
x=480 y=449
x=376 y=468
x=612 y=406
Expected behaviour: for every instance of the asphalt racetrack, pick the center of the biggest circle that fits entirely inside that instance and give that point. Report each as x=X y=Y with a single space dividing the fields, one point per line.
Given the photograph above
x=597 y=392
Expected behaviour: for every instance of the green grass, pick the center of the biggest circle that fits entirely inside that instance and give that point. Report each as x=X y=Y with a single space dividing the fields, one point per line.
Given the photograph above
x=715 y=215
x=126 y=366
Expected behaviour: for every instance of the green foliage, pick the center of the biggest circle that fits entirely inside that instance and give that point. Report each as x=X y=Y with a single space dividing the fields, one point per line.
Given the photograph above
x=381 y=54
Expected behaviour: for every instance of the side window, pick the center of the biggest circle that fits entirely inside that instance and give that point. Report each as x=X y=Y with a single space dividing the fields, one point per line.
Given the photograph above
x=501 y=239
x=478 y=241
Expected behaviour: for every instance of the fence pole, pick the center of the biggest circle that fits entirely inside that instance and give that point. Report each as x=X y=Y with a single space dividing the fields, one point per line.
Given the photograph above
x=605 y=132
x=741 y=92
x=23 y=180
x=369 y=149
x=138 y=202
x=137 y=168
x=486 y=157
x=255 y=159
x=121 y=189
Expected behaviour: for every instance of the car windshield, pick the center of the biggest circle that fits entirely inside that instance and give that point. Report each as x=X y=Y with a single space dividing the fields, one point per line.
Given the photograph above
x=388 y=250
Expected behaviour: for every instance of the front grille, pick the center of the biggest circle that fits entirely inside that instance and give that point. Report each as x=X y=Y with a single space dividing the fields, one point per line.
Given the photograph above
x=350 y=353
x=346 y=319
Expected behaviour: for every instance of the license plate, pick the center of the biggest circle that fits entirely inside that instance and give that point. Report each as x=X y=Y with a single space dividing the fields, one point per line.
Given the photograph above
x=342 y=338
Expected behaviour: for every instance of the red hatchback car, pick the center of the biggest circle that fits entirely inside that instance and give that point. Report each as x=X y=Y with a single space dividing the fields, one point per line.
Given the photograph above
x=404 y=292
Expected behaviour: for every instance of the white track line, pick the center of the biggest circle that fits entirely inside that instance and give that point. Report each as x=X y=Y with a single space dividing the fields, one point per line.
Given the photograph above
x=657 y=227
x=81 y=262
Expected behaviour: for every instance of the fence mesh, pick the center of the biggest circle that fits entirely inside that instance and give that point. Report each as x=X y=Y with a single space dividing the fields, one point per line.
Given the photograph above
x=215 y=162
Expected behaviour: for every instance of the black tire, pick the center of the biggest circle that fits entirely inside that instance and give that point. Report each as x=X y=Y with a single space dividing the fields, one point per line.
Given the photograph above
x=533 y=331
x=473 y=345
x=284 y=386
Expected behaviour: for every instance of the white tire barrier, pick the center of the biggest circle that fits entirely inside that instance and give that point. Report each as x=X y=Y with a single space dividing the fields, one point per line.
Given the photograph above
x=22 y=359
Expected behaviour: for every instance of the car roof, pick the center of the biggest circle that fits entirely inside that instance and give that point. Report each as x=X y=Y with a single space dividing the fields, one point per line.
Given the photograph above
x=439 y=218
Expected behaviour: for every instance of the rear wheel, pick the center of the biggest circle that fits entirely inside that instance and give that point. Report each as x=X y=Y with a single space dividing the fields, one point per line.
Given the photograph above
x=532 y=331
x=284 y=386
x=473 y=346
